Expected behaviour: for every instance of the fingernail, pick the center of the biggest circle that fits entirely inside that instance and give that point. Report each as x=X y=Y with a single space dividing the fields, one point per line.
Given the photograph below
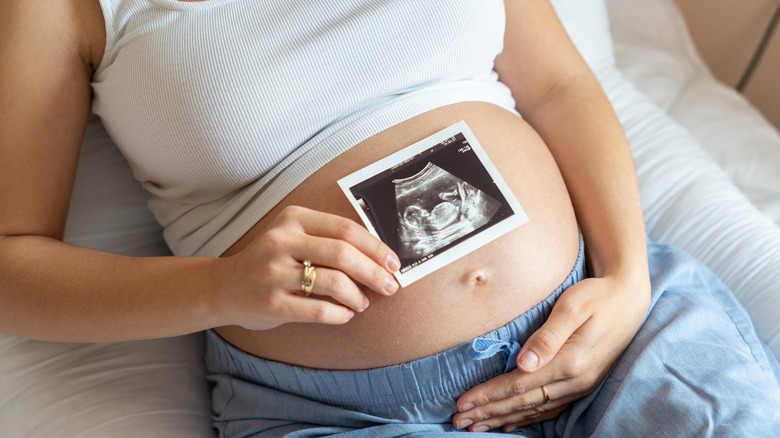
x=481 y=428
x=392 y=263
x=510 y=429
x=462 y=424
x=467 y=407
x=350 y=313
x=528 y=360
x=390 y=285
x=365 y=303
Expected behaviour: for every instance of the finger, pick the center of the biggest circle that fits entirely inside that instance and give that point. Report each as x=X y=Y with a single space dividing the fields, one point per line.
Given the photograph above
x=518 y=419
x=342 y=256
x=337 y=227
x=520 y=398
x=538 y=417
x=333 y=284
x=545 y=343
x=515 y=403
x=297 y=308
x=511 y=384
x=513 y=409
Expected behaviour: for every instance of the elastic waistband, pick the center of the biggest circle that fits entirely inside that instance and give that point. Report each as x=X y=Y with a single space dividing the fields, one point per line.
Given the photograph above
x=443 y=375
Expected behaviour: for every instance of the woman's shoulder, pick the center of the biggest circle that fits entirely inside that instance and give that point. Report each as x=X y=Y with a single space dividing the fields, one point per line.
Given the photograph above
x=48 y=51
x=62 y=27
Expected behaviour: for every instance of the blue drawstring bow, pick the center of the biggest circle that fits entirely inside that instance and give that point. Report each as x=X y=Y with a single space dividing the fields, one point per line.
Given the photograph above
x=483 y=348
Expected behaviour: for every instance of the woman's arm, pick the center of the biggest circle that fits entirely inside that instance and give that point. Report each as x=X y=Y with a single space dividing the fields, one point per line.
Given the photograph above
x=55 y=291
x=595 y=319
x=48 y=289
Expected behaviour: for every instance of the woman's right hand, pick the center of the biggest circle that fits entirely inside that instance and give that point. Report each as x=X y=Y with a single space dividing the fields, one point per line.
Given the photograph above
x=263 y=286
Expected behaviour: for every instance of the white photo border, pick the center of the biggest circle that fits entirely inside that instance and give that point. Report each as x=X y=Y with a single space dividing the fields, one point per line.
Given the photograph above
x=458 y=250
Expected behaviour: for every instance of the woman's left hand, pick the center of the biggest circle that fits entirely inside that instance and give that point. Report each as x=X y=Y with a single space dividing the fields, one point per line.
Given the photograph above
x=590 y=326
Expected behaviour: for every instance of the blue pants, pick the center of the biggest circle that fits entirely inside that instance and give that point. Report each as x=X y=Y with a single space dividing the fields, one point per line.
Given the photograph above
x=696 y=368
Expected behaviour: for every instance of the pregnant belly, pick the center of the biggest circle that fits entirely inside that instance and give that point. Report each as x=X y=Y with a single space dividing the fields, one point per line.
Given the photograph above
x=463 y=300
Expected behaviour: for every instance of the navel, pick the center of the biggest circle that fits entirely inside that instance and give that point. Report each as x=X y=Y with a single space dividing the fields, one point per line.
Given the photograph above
x=476 y=277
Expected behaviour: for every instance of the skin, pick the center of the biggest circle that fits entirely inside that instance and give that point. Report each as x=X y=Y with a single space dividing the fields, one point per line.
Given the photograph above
x=50 y=51
x=463 y=300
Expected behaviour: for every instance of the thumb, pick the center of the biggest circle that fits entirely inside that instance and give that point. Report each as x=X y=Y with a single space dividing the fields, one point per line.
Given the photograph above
x=545 y=343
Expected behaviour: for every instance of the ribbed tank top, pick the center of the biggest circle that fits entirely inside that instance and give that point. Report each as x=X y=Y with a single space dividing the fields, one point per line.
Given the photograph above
x=222 y=107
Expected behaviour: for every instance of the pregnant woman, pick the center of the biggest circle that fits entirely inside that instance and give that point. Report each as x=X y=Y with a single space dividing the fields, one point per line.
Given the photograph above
x=239 y=117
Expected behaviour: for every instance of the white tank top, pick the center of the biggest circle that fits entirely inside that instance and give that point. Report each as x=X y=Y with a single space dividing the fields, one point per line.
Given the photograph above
x=222 y=107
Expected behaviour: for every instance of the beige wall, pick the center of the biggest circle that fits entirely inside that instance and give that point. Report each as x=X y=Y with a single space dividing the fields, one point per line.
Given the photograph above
x=764 y=87
x=727 y=33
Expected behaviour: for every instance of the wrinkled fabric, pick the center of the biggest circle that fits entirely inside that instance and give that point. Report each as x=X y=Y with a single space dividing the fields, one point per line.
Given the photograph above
x=695 y=368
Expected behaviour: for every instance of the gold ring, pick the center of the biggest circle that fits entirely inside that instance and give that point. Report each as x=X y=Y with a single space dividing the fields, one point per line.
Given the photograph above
x=309 y=274
x=546 y=395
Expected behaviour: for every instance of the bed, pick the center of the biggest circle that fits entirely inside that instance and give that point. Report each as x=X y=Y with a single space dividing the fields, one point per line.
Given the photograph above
x=709 y=169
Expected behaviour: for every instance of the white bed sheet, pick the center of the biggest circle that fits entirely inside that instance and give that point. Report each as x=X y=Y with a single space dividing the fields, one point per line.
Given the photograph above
x=157 y=388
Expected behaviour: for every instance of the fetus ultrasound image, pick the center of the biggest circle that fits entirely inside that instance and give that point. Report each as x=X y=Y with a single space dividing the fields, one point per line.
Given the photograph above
x=435 y=208
x=432 y=201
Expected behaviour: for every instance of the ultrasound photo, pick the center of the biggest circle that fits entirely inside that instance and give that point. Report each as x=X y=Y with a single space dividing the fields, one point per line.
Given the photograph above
x=435 y=208
x=434 y=201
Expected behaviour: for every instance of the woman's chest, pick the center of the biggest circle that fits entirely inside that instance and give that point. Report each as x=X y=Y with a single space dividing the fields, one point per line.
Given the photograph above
x=228 y=92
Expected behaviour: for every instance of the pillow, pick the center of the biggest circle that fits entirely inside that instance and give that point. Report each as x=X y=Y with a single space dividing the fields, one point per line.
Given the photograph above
x=689 y=201
x=587 y=23
x=666 y=66
x=742 y=142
